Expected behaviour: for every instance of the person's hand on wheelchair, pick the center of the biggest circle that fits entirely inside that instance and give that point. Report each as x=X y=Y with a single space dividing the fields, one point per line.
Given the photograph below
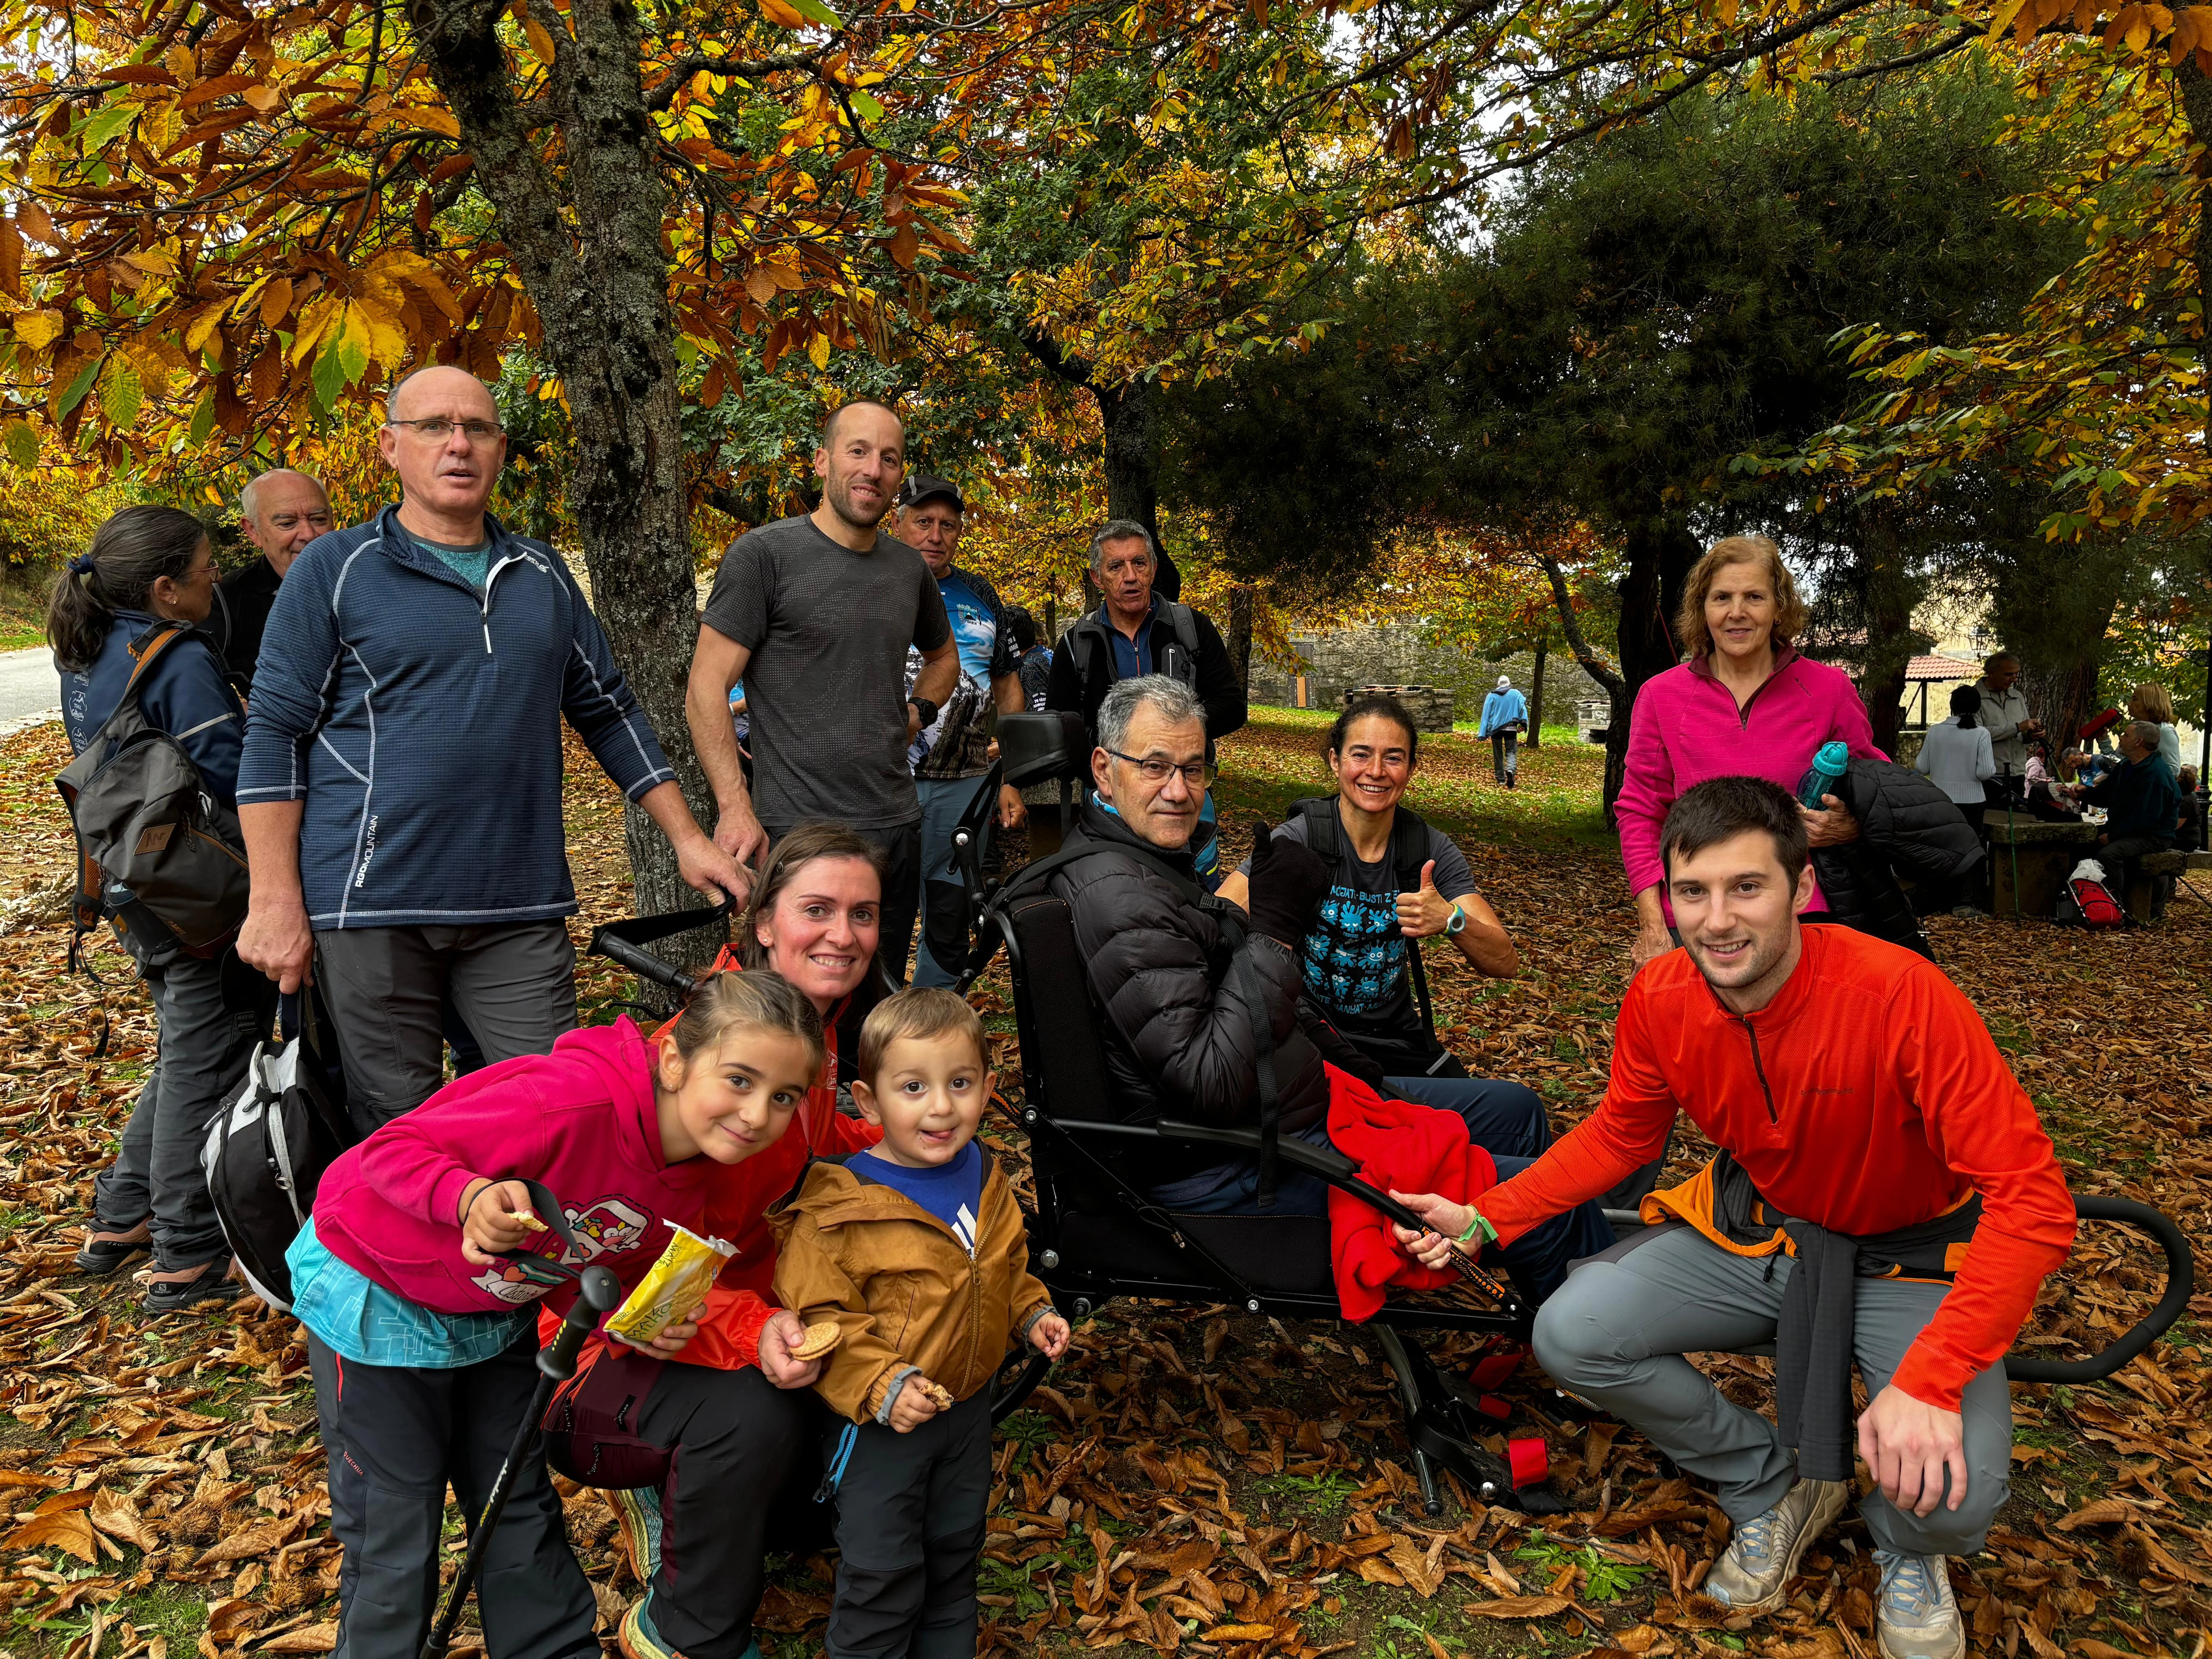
x=1288 y=882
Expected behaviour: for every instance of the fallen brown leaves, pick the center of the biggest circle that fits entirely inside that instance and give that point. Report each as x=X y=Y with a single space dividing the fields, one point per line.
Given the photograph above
x=1192 y=1480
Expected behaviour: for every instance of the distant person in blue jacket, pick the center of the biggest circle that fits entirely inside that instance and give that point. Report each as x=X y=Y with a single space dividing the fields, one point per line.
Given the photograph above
x=400 y=787
x=1504 y=718
x=148 y=568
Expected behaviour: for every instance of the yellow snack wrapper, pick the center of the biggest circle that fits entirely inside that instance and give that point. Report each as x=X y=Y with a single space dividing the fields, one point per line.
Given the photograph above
x=673 y=1287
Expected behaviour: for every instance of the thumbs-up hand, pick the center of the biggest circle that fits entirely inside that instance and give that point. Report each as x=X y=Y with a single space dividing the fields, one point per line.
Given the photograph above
x=1424 y=914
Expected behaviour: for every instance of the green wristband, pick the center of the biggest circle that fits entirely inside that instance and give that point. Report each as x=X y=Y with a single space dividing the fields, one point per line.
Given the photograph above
x=1480 y=1225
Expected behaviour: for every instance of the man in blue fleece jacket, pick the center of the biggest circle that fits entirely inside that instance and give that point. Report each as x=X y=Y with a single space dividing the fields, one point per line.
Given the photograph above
x=400 y=787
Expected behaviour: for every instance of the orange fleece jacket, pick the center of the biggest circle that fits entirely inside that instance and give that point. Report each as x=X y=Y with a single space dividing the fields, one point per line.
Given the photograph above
x=1866 y=1096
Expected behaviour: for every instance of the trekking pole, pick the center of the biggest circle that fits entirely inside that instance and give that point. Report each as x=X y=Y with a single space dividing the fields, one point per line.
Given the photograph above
x=598 y=1293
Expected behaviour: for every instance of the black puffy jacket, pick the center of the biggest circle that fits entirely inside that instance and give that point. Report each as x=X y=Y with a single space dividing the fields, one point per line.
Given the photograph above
x=1178 y=1031
x=1906 y=822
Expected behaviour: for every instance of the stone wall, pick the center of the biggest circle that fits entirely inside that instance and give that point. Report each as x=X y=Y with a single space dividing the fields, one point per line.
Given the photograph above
x=1399 y=655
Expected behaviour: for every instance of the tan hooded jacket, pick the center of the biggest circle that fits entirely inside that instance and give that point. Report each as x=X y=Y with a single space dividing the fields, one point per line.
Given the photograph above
x=900 y=1287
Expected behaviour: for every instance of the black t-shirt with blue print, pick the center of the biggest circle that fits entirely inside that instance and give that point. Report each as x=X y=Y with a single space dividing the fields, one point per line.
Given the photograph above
x=1354 y=960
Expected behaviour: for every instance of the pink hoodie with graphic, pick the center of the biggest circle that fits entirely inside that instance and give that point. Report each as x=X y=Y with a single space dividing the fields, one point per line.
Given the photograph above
x=581 y=1121
x=1686 y=728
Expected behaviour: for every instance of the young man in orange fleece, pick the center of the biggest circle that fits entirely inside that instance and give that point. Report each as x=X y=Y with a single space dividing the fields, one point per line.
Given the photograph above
x=1884 y=1194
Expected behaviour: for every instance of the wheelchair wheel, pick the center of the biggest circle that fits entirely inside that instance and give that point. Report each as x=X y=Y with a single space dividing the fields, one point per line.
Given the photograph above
x=1019 y=1373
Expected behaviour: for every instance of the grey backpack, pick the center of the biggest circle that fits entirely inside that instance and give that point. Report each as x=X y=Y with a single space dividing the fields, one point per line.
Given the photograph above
x=154 y=849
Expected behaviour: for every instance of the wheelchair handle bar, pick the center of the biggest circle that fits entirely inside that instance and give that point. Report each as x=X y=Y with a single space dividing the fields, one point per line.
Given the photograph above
x=624 y=943
x=2180 y=1285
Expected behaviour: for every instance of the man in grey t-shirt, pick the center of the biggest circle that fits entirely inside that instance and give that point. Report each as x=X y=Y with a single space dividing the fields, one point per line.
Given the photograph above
x=815 y=614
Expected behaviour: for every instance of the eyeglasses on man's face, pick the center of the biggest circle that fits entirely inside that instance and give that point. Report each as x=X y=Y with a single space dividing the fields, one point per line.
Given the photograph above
x=1199 y=775
x=437 y=428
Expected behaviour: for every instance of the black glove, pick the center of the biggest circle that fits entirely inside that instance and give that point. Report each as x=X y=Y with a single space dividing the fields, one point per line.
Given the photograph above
x=1338 y=1050
x=1288 y=882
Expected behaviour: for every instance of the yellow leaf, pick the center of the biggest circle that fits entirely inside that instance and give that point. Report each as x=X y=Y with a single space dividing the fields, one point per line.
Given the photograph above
x=387 y=339
x=182 y=64
x=196 y=331
x=1240 y=1634
x=818 y=349
x=275 y=301
x=430 y=119
x=540 y=41
x=37 y=329
x=264 y=98
x=308 y=1638
x=313 y=321
x=781 y=14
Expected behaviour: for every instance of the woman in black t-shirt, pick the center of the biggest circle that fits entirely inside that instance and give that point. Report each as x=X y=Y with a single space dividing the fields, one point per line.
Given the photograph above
x=1397 y=882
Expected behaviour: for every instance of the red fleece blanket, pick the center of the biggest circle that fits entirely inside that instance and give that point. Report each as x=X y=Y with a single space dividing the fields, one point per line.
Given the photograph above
x=1402 y=1147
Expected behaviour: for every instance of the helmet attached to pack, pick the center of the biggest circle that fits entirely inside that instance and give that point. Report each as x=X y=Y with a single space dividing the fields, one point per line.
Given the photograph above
x=1044 y=748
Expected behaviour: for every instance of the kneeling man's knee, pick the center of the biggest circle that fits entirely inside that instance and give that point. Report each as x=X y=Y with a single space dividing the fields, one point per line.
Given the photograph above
x=1574 y=1344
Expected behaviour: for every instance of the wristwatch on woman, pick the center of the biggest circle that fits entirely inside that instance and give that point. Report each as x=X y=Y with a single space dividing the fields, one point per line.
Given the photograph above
x=926 y=709
x=1457 y=925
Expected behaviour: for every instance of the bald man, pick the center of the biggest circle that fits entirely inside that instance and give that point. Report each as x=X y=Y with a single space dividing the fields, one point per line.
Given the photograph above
x=281 y=511
x=400 y=789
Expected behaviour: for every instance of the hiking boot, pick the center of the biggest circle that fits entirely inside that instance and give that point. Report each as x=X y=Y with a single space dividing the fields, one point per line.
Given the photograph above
x=103 y=1254
x=188 y=1287
x=638 y=1639
x=640 y=1512
x=1915 y=1617
x=1762 y=1559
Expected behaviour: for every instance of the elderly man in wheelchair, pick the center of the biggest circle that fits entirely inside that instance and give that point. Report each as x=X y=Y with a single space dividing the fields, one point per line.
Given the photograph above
x=1884 y=1194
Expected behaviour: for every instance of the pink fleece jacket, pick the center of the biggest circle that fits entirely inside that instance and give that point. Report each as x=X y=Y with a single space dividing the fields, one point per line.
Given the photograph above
x=581 y=1120
x=1686 y=728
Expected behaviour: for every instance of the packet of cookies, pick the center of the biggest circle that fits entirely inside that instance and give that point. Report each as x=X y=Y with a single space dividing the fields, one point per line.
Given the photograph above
x=673 y=1287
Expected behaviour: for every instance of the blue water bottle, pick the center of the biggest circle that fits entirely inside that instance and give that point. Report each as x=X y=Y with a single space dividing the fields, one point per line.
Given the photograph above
x=1827 y=772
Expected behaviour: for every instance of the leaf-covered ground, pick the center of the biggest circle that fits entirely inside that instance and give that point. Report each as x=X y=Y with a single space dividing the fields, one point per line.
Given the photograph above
x=1188 y=1481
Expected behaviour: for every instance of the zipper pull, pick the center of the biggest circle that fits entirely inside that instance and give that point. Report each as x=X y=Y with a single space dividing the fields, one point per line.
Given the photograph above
x=487 y=628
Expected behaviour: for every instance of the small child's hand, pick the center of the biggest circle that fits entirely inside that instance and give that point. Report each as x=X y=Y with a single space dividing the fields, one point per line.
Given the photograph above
x=1048 y=1336
x=668 y=1344
x=913 y=1405
x=489 y=1223
x=784 y=1332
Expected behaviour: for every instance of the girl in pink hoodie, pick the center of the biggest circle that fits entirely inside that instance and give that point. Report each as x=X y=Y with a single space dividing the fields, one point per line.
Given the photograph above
x=416 y=1283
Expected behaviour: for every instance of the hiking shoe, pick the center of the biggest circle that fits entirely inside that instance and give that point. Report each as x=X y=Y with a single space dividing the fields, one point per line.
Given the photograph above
x=638 y=1639
x=104 y=1255
x=639 y=1509
x=1763 y=1556
x=1916 y=1616
x=188 y=1287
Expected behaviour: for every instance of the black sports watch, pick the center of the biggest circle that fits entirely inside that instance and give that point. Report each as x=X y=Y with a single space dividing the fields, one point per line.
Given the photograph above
x=926 y=709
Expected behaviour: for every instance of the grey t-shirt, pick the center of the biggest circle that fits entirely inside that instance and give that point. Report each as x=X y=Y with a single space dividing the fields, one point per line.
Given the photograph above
x=1354 y=960
x=825 y=689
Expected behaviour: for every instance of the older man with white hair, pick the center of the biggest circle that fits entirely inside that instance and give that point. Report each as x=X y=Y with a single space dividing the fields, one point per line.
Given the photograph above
x=400 y=789
x=281 y=511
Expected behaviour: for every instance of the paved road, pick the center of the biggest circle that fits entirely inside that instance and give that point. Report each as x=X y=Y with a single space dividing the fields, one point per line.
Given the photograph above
x=29 y=690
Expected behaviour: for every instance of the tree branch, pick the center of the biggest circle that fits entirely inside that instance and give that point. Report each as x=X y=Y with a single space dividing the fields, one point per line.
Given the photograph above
x=1592 y=664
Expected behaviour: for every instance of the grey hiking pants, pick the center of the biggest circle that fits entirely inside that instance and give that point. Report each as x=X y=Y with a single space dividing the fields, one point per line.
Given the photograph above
x=200 y=1056
x=1615 y=1334
x=514 y=986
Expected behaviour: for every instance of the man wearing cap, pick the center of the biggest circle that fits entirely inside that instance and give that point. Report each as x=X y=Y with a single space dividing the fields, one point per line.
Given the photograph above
x=952 y=754
x=1504 y=718
x=816 y=614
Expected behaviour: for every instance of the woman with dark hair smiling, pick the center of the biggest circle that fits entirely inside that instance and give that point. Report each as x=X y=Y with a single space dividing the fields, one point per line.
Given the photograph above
x=1395 y=881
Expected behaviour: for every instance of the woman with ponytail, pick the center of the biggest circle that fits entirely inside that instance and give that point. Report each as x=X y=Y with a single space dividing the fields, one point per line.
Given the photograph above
x=149 y=568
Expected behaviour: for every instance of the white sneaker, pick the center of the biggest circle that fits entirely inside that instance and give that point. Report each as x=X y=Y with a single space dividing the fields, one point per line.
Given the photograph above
x=1762 y=1558
x=1916 y=1616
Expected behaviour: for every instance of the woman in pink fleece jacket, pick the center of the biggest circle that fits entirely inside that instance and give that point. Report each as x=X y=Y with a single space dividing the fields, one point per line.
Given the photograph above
x=420 y=1275
x=1742 y=703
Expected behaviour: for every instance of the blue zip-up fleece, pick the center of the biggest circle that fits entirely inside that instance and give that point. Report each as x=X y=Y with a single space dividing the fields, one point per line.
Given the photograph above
x=420 y=720
x=184 y=694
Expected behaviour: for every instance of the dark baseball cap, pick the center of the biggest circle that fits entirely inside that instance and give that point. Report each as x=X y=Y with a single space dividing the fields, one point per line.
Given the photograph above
x=921 y=487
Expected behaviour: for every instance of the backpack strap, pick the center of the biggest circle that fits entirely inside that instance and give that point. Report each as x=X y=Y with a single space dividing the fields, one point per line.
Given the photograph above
x=88 y=906
x=1322 y=835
